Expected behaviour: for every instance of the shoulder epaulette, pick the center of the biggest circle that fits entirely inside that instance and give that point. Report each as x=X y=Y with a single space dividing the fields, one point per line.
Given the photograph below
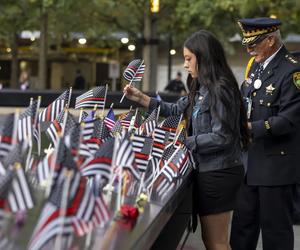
x=248 y=67
x=291 y=59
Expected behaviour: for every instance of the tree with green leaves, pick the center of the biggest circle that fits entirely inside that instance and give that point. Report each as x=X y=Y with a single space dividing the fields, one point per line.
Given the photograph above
x=14 y=17
x=99 y=20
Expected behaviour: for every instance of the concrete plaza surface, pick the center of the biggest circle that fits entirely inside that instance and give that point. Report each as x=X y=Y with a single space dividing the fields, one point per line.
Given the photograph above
x=194 y=241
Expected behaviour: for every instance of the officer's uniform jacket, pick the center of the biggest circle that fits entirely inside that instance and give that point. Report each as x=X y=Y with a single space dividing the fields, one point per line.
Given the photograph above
x=275 y=115
x=213 y=147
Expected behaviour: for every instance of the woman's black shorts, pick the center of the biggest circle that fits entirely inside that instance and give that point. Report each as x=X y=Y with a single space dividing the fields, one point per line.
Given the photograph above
x=215 y=191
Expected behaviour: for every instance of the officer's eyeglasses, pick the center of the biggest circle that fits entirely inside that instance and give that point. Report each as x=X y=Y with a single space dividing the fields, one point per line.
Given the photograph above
x=258 y=41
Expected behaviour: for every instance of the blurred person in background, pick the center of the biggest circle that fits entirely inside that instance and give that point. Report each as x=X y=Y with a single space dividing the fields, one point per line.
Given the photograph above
x=79 y=81
x=24 y=80
x=176 y=85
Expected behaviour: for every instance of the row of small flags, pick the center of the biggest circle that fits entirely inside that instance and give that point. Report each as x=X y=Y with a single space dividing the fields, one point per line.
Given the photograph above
x=88 y=156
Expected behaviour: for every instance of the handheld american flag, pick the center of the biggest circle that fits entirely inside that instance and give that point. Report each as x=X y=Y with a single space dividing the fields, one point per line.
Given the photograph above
x=89 y=99
x=134 y=71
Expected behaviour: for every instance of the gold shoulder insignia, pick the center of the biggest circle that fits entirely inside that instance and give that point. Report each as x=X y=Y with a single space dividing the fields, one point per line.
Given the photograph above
x=296 y=79
x=291 y=59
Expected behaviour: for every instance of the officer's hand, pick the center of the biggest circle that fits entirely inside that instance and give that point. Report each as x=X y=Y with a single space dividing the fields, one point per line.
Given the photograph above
x=190 y=142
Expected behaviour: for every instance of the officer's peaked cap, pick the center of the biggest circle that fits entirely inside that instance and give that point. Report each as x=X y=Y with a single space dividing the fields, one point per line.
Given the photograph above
x=254 y=28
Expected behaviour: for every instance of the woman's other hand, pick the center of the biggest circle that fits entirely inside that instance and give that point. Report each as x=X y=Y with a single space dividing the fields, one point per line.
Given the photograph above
x=190 y=142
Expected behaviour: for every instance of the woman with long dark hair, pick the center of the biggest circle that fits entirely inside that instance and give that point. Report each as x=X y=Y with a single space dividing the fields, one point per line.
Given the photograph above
x=217 y=132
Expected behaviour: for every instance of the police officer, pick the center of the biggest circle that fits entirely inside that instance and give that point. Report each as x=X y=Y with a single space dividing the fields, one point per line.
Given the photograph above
x=271 y=93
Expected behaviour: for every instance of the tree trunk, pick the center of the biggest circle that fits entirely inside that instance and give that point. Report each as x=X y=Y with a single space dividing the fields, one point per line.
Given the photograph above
x=14 y=62
x=42 y=83
x=150 y=52
x=146 y=51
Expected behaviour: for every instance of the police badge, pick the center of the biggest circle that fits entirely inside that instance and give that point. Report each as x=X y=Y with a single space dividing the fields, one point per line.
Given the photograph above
x=296 y=79
x=270 y=89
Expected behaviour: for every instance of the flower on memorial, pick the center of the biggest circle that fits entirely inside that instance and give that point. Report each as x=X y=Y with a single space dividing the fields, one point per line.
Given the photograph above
x=129 y=212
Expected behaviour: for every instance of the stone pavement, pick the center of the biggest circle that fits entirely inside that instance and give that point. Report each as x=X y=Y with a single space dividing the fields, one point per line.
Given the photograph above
x=194 y=241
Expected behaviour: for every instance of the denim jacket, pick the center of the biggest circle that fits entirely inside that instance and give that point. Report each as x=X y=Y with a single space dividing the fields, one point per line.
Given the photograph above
x=214 y=147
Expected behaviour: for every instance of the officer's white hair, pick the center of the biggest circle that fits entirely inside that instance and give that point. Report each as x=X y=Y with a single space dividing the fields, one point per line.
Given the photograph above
x=276 y=34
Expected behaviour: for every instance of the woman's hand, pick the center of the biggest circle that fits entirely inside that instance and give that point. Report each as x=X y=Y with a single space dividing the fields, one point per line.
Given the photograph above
x=190 y=142
x=136 y=95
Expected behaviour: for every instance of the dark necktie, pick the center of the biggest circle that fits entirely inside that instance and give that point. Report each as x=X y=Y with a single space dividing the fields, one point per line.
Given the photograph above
x=259 y=71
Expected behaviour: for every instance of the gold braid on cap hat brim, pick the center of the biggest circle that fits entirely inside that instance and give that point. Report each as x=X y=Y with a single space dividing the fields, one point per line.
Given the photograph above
x=251 y=36
x=257 y=32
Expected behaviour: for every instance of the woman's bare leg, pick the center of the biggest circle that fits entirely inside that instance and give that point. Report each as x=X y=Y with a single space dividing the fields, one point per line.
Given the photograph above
x=215 y=232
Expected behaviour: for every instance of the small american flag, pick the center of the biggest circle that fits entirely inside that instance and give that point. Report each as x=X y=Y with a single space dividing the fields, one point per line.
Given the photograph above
x=55 y=127
x=125 y=157
x=110 y=119
x=125 y=122
x=134 y=71
x=5 y=184
x=117 y=129
x=26 y=119
x=89 y=99
x=92 y=210
x=100 y=216
x=43 y=168
x=6 y=133
x=171 y=122
x=14 y=155
x=142 y=148
x=93 y=144
x=138 y=121
x=158 y=142
x=164 y=186
x=178 y=162
x=72 y=138
x=150 y=123
x=20 y=197
x=53 y=131
x=153 y=165
x=88 y=129
x=53 y=110
x=101 y=162
x=50 y=222
x=100 y=130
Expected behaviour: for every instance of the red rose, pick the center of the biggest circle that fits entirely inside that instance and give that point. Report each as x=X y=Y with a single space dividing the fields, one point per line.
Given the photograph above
x=129 y=211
